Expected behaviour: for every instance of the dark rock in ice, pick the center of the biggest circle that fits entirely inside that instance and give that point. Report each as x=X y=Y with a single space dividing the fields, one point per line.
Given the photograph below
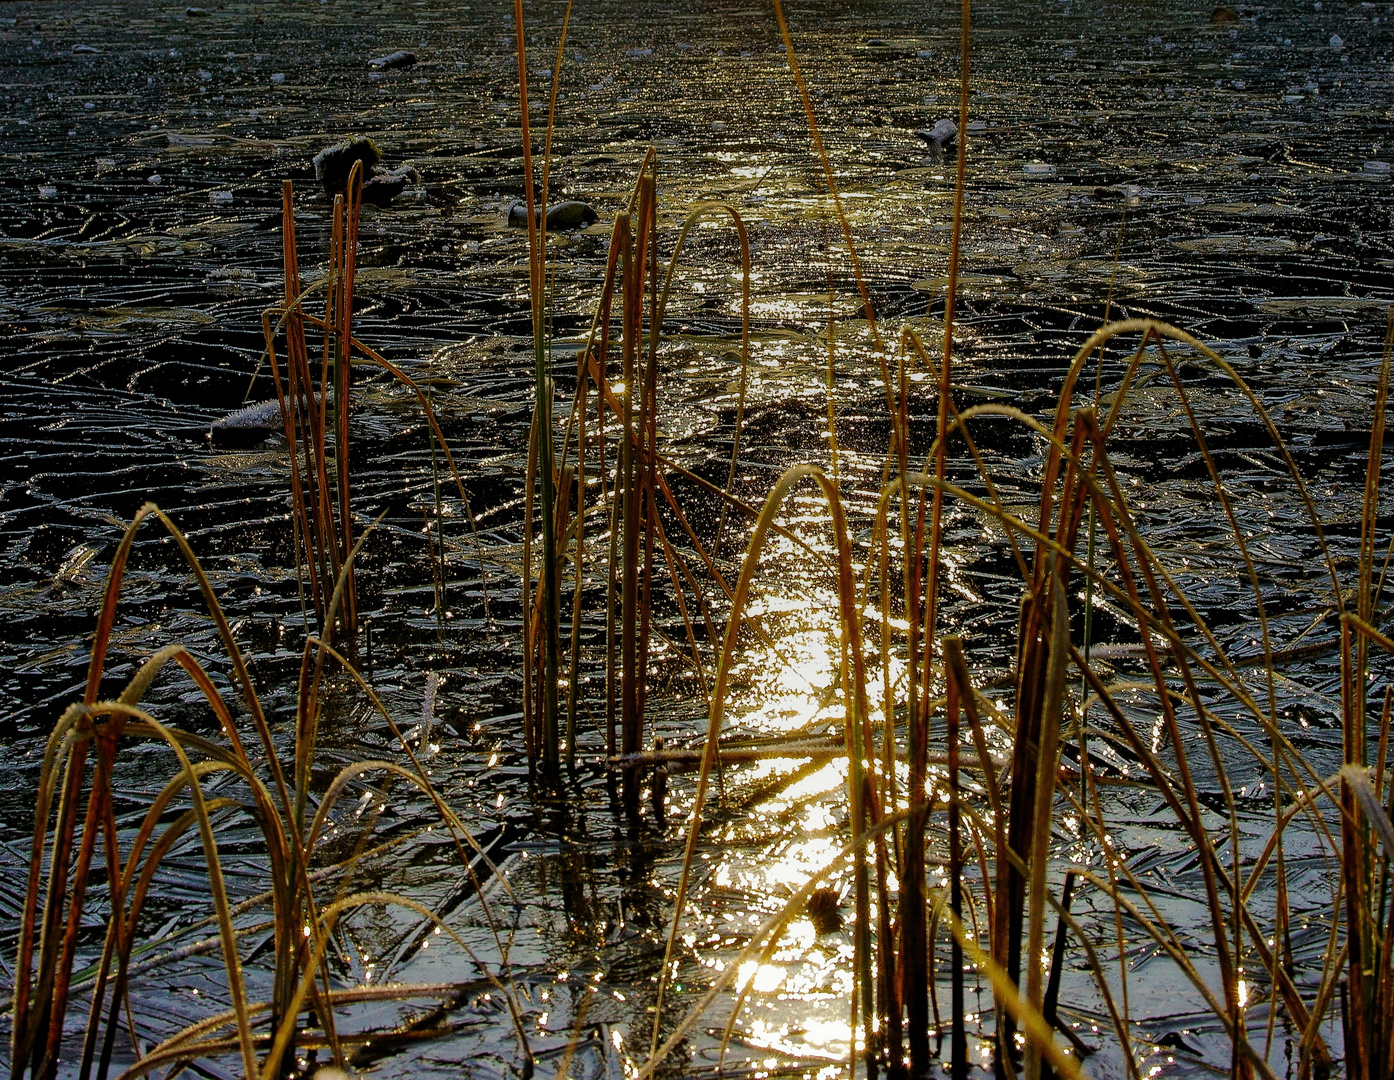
x=386 y=184
x=1174 y=1041
x=399 y=59
x=334 y=163
x=563 y=217
x=571 y=215
x=942 y=134
x=381 y=185
x=1224 y=14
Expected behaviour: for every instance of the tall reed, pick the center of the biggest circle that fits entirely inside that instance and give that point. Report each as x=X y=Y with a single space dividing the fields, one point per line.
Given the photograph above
x=541 y=475
x=1367 y=994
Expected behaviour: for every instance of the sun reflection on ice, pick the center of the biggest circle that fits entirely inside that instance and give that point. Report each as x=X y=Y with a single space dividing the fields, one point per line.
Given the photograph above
x=762 y=978
x=788 y=682
x=811 y=1037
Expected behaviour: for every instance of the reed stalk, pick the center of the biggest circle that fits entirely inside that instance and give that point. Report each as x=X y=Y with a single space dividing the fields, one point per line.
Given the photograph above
x=543 y=478
x=922 y=609
x=627 y=486
x=955 y=691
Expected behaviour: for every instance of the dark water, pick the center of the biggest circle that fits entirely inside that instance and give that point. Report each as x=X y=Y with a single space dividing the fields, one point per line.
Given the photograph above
x=1239 y=172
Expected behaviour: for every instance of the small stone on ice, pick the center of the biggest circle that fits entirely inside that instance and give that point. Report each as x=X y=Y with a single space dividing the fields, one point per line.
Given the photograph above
x=48 y=191
x=155 y=178
x=221 y=196
x=1336 y=41
x=399 y=59
x=1377 y=167
x=278 y=79
x=941 y=134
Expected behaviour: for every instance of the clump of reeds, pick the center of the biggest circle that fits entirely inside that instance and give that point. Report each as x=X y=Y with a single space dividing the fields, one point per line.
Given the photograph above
x=316 y=402
x=306 y=899
x=96 y=868
x=606 y=472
